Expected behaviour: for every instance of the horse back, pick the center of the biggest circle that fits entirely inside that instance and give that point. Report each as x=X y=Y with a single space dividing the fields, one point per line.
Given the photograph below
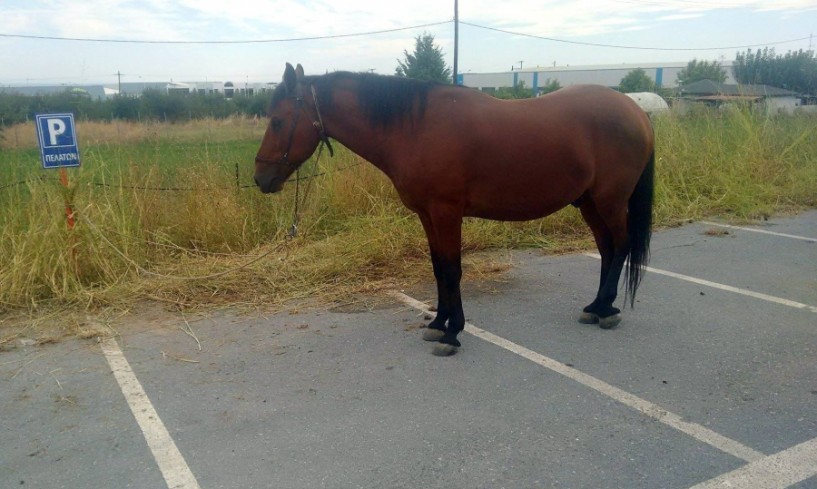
x=524 y=159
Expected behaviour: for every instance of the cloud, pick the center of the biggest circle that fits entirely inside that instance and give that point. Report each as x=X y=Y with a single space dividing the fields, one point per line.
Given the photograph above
x=669 y=18
x=625 y=22
x=273 y=19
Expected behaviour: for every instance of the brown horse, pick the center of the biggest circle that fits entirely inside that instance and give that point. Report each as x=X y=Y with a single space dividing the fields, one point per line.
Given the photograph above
x=452 y=152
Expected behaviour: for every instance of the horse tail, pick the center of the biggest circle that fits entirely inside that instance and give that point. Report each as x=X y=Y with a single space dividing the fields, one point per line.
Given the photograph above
x=639 y=227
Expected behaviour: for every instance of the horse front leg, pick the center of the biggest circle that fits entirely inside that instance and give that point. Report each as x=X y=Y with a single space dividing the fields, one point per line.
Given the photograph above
x=444 y=232
x=436 y=328
x=451 y=274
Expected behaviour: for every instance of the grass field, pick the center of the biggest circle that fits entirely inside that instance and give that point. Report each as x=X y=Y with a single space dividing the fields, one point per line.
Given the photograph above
x=178 y=200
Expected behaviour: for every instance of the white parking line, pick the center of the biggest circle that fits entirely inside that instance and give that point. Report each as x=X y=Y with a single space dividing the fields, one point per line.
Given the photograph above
x=762 y=231
x=651 y=410
x=728 y=288
x=171 y=463
x=777 y=471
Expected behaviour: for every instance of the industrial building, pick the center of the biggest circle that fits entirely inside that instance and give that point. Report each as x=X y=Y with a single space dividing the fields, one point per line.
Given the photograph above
x=663 y=74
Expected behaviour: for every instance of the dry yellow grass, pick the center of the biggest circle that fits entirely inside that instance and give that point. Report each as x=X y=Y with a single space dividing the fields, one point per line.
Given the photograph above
x=355 y=235
x=96 y=133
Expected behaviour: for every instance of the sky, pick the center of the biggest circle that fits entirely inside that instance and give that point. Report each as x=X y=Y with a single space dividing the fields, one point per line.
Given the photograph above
x=576 y=32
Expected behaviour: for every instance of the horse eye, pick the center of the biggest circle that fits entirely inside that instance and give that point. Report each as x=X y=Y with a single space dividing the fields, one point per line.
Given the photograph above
x=276 y=124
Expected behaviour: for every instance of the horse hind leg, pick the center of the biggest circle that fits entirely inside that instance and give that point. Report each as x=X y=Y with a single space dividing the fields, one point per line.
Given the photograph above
x=610 y=234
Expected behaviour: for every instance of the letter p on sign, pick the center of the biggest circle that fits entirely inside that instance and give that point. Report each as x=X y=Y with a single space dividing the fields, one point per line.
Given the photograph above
x=56 y=127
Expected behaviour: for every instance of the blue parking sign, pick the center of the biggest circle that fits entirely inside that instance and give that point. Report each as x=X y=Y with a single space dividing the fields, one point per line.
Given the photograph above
x=58 y=140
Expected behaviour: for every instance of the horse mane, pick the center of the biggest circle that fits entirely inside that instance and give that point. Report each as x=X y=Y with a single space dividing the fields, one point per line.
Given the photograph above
x=384 y=100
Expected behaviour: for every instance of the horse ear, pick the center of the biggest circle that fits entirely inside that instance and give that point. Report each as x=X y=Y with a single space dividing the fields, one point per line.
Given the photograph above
x=299 y=72
x=290 y=78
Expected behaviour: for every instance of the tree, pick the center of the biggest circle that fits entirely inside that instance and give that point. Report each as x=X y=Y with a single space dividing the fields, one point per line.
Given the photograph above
x=701 y=70
x=636 y=81
x=515 y=92
x=124 y=107
x=796 y=70
x=755 y=68
x=426 y=63
x=13 y=108
x=549 y=86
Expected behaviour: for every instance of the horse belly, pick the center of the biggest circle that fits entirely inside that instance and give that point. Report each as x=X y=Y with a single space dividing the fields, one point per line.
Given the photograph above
x=522 y=199
x=524 y=168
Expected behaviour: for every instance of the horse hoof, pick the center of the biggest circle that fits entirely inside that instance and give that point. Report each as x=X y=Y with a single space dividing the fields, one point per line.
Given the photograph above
x=610 y=322
x=443 y=350
x=589 y=318
x=432 y=334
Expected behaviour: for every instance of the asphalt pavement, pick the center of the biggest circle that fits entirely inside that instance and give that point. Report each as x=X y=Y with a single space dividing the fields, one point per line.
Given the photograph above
x=710 y=381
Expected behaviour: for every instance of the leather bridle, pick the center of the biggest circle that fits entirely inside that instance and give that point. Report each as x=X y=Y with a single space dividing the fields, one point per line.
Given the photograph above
x=317 y=124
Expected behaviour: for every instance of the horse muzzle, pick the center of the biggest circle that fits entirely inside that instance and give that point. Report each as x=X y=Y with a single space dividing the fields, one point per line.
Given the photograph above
x=269 y=184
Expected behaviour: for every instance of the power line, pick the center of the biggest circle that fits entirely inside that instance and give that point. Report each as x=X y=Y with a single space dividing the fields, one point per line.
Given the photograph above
x=398 y=29
x=602 y=45
x=249 y=41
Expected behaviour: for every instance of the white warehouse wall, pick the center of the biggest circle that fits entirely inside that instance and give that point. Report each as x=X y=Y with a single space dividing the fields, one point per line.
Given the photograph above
x=607 y=75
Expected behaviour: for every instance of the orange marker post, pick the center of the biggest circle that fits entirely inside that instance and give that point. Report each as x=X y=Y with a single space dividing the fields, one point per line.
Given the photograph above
x=69 y=211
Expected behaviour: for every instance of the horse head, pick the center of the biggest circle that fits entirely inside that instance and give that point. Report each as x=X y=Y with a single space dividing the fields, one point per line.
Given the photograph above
x=291 y=136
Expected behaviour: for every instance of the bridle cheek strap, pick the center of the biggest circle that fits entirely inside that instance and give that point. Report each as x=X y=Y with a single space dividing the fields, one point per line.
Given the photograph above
x=319 y=123
x=285 y=158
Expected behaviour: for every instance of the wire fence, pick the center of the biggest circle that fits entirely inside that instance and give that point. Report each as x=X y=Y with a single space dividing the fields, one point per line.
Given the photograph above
x=237 y=185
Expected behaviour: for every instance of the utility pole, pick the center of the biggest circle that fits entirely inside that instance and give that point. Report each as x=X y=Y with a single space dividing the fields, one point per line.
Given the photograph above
x=119 y=83
x=456 y=37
